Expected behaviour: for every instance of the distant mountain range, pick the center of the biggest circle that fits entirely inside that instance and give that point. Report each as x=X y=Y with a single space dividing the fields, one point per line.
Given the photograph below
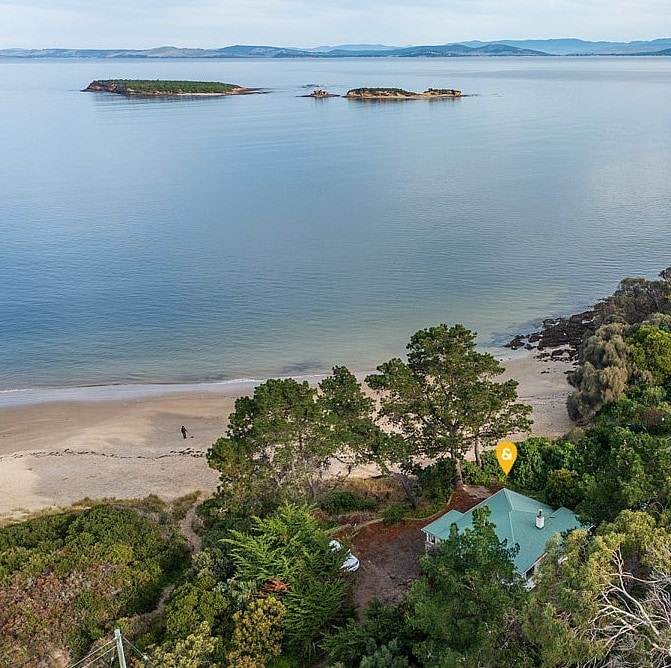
x=579 y=47
x=529 y=47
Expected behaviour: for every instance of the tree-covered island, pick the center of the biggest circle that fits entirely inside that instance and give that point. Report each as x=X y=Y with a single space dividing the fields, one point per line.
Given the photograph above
x=399 y=93
x=163 y=88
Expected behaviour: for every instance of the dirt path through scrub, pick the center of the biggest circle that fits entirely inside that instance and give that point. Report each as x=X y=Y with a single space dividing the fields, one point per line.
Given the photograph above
x=186 y=529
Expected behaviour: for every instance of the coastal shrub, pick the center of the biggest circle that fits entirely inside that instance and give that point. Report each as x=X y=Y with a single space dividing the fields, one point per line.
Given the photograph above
x=257 y=635
x=650 y=350
x=491 y=468
x=437 y=481
x=622 y=470
x=636 y=300
x=67 y=578
x=537 y=458
x=286 y=661
x=200 y=600
x=631 y=345
x=198 y=649
x=644 y=409
x=380 y=624
x=385 y=656
x=340 y=502
x=473 y=474
x=395 y=513
x=530 y=471
x=563 y=489
x=605 y=368
x=656 y=420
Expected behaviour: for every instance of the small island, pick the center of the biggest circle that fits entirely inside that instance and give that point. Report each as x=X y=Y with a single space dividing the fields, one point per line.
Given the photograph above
x=160 y=88
x=320 y=93
x=399 y=93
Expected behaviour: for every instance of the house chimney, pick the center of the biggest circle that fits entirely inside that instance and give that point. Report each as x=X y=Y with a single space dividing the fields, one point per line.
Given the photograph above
x=540 y=520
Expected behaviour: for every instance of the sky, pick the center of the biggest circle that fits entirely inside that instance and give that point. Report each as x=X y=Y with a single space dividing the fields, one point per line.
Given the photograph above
x=309 y=23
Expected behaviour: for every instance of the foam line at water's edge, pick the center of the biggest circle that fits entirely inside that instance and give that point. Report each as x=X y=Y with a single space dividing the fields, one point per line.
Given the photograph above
x=131 y=391
x=38 y=395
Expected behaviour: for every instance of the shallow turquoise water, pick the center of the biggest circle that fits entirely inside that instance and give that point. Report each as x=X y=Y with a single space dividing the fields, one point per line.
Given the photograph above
x=193 y=240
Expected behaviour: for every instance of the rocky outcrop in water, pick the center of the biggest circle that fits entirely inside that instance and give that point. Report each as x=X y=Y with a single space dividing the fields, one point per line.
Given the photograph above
x=562 y=335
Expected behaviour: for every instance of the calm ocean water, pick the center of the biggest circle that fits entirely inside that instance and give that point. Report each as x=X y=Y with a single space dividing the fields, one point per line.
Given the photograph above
x=194 y=240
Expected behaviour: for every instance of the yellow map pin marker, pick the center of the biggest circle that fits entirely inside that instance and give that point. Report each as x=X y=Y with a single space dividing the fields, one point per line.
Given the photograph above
x=506 y=453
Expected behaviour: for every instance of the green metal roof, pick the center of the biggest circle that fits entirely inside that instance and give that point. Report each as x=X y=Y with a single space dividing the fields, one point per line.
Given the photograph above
x=514 y=518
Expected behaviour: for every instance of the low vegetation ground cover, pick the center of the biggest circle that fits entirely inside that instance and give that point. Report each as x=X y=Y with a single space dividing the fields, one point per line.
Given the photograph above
x=66 y=578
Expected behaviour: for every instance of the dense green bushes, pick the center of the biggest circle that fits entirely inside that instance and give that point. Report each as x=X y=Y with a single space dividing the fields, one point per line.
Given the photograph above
x=66 y=578
x=291 y=547
x=337 y=503
x=630 y=345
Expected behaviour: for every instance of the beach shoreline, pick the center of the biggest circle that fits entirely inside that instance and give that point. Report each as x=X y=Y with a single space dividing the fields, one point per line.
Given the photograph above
x=11 y=397
x=58 y=446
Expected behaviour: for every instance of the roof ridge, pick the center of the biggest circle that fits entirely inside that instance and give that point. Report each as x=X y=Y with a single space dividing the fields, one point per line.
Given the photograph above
x=508 y=493
x=484 y=501
x=541 y=504
x=512 y=528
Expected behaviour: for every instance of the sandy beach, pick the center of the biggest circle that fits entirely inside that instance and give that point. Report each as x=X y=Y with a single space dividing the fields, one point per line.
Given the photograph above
x=56 y=452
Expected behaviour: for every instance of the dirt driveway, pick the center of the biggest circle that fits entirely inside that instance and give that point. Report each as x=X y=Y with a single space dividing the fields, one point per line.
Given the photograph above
x=389 y=555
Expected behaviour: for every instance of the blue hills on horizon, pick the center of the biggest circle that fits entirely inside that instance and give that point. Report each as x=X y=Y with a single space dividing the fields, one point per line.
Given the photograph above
x=529 y=47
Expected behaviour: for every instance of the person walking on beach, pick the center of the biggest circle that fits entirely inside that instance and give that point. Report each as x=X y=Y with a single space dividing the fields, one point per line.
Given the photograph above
x=184 y=431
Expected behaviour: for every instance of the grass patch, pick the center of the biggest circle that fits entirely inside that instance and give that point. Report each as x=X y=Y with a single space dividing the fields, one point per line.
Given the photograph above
x=384 y=489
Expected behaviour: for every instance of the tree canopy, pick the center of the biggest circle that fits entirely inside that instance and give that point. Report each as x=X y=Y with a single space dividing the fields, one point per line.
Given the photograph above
x=281 y=440
x=291 y=550
x=444 y=401
x=462 y=606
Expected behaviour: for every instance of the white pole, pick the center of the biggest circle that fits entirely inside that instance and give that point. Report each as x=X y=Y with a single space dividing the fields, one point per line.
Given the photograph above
x=119 y=648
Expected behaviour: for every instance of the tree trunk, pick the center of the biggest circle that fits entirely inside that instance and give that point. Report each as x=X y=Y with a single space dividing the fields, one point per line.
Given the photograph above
x=407 y=488
x=460 y=475
x=478 y=454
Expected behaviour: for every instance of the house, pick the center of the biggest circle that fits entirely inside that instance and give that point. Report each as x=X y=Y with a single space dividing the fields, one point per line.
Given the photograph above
x=518 y=520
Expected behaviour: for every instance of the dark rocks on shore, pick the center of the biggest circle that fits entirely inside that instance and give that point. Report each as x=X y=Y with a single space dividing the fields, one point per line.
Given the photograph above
x=562 y=335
